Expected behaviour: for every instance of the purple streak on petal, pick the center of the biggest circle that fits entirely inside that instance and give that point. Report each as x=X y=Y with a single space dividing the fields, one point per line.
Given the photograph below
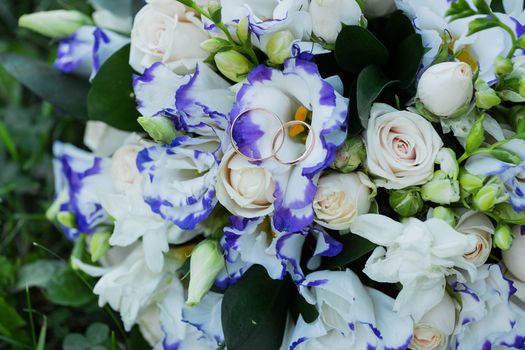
x=101 y=38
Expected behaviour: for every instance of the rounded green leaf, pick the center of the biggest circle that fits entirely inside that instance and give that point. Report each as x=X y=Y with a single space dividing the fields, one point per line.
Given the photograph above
x=67 y=289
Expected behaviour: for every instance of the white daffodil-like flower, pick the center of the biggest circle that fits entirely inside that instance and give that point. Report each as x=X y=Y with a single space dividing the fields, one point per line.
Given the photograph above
x=418 y=254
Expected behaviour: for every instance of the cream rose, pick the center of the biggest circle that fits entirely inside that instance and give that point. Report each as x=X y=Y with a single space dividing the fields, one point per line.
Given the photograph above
x=432 y=332
x=514 y=257
x=165 y=31
x=341 y=198
x=243 y=188
x=481 y=227
x=124 y=172
x=401 y=147
x=328 y=16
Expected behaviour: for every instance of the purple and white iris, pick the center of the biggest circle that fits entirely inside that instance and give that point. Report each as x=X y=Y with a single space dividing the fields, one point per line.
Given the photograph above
x=179 y=179
x=351 y=316
x=512 y=175
x=488 y=318
x=247 y=242
x=270 y=92
x=79 y=179
x=197 y=103
x=85 y=51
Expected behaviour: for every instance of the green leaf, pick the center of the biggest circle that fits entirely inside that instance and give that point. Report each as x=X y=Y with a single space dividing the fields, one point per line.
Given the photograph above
x=505 y=155
x=505 y=212
x=42 y=336
x=120 y=8
x=66 y=92
x=75 y=341
x=370 y=82
x=67 y=289
x=254 y=311
x=482 y=7
x=396 y=29
x=479 y=24
x=459 y=9
x=476 y=135
x=10 y=320
x=38 y=273
x=111 y=98
x=408 y=59
x=356 y=48
x=354 y=247
x=97 y=333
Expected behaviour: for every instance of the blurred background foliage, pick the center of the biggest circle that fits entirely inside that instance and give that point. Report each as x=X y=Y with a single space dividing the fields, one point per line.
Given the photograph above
x=44 y=303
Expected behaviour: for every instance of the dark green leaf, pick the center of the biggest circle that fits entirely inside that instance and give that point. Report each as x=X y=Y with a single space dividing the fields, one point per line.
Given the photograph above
x=66 y=92
x=482 y=7
x=479 y=24
x=111 y=97
x=408 y=59
x=397 y=28
x=356 y=48
x=67 y=289
x=370 y=82
x=254 y=311
x=137 y=5
x=38 y=273
x=75 y=341
x=354 y=247
x=9 y=318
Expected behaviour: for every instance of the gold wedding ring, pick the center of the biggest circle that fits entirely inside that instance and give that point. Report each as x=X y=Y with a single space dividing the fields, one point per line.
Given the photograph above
x=305 y=154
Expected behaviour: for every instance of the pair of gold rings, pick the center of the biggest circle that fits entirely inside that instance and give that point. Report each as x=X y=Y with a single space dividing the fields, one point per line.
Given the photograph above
x=277 y=140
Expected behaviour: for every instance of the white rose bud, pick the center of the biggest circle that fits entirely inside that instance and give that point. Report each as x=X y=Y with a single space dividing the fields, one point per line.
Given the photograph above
x=445 y=88
x=124 y=172
x=379 y=8
x=514 y=257
x=432 y=332
x=401 y=147
x=206 y=263
x=329 y=15
x=55 y=24
x=243 y=188
x=165 y=31
x=103 y=139
x=480 y=226
x=341 y=198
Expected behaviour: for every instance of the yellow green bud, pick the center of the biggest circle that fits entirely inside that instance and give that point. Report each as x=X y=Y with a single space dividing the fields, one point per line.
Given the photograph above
x=279 y=46
x=406 y=202
x=55 y=24
x=350 y=155
x=233 y=65
x=206 y=263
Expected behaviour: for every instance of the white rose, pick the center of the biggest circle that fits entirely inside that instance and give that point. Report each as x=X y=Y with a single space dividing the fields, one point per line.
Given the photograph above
x=340 y=198
x=164 y=31
x=243 y=188
x=329 y=15
x=124 y=172
x=481 y=227
x=514 y=258
x=401 y=147
x=446 y=87
x=432 y=332
x=103 y=139
x=379 y=8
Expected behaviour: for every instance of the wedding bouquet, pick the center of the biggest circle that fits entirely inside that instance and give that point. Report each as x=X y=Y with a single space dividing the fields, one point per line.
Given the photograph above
x=296 y=174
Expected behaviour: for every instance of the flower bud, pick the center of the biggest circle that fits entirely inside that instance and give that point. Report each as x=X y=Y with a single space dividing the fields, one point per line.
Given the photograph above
x=278 y=48
x=99 y=245
x=441 y=189
x=489 y=195
x=243 y=30
x=406 y=202
x=470 y=183
x=54 y=24
x=214 y=6
x=233 y=65
x=206 y=263
x=486 y=97
x=215 y=45
x=350 y=155
x=446 y=214
x=160 y=129
x=476 y=135
x=445 y=88
x=446 y=158
x=503 y=66
x=503 y=236
x=67 y=219
x=514 y=257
